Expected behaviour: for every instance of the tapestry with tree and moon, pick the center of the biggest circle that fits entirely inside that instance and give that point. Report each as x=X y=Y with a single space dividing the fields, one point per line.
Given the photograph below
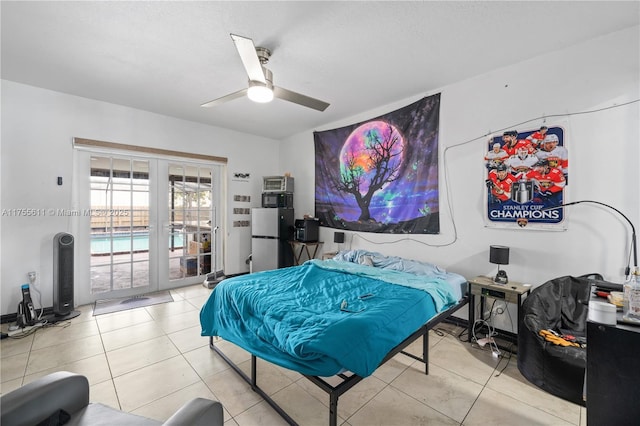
x=381 y=175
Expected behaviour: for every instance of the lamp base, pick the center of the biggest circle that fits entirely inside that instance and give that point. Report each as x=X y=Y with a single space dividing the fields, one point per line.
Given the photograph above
x=501 y=278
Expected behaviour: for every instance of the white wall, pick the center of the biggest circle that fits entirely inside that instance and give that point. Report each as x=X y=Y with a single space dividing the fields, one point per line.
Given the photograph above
x=37 y=131
x=604 y=164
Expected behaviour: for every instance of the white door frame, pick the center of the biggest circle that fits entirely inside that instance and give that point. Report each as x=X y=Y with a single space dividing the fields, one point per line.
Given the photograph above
x=158 y=217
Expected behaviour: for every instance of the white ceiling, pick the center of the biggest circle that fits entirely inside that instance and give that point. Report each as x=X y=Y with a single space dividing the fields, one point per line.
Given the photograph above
x=170 y=57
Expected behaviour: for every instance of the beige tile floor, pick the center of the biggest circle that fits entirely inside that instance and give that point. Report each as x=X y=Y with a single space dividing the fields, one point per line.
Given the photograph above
x=151 y=360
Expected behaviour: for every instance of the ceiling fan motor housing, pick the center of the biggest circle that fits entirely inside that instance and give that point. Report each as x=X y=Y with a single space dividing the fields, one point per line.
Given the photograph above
x=268 y=76
x=263 y=54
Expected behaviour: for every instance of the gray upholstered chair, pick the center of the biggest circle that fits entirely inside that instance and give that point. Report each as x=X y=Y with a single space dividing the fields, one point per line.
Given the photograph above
x=63 y=398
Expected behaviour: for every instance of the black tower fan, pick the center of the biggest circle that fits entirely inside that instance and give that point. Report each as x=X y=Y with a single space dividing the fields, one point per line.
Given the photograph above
x=63 y=276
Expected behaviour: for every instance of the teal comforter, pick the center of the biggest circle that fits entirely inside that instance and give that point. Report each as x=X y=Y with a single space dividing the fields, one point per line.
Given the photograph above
x=323 y=317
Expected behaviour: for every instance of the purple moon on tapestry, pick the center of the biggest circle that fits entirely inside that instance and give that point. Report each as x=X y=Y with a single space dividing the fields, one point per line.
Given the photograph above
x=356 y=152
x=381 y=175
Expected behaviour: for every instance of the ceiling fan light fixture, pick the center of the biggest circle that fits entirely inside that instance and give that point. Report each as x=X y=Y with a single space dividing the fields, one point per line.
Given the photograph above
x=261 y=88
x=260 y=93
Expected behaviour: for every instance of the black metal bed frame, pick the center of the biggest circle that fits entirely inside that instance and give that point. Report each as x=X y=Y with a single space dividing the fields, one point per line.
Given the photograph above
x=348 y=381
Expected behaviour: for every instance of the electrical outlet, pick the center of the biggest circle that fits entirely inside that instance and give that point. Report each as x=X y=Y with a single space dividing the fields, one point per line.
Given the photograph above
x=32 y=277
x=498 y=310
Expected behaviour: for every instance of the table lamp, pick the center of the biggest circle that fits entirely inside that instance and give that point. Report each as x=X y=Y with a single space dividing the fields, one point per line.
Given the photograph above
x=499 y=255
x=338 y=238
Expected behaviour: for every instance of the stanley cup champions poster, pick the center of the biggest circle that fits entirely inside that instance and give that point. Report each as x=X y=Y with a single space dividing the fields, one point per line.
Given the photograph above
x=527 y=173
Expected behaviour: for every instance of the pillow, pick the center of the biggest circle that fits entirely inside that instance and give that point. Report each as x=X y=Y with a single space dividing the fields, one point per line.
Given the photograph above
x=366 y=260
x=364 y=257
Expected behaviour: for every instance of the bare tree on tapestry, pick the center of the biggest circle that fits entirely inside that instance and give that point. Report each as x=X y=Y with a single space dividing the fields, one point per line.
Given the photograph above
x=381 y=175
x=383 y=154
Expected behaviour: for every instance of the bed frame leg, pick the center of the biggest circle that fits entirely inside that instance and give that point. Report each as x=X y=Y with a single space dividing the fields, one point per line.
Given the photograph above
x=252 y=381
x=333 y=409
x=254 y=374
x=425 y=351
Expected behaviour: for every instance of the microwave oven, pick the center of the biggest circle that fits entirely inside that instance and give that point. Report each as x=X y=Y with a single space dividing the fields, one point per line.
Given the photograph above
x=277 y=199
x=277 y=184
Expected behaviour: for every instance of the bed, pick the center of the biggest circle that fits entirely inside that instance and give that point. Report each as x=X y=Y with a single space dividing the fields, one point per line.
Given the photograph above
x=342 y=317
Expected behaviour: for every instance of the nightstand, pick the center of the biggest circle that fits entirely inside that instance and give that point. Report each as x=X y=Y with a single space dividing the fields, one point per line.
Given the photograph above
x=484 y=287
x=329 y=255
x=304 y=248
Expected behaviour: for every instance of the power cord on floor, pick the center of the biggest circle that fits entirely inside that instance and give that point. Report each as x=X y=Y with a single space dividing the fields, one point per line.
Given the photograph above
x=442 y=332
x=486 y=340
x=510 y=350
x=21 y=333
x=462 y=336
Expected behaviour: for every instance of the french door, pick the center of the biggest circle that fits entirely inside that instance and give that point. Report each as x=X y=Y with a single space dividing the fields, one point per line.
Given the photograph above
x=121 y=243
x=189 y=221
x=151 y=222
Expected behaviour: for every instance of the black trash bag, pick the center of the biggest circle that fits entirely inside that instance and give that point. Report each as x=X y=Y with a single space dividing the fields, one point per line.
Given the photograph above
x=561 y=305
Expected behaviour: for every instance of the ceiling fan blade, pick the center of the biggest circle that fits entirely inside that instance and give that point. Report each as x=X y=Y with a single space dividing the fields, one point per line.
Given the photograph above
x=247 y=51
x=226 y=98
x=299 y=99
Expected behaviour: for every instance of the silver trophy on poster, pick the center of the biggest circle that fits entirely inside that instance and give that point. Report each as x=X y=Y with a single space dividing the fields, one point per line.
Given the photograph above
x=522 y=191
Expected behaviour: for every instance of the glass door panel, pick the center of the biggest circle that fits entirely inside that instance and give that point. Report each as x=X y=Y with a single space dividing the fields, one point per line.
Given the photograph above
x=120 y=226
x=189 y=211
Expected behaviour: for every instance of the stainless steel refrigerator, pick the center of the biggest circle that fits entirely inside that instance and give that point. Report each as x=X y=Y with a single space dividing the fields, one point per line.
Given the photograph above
x=271 y=231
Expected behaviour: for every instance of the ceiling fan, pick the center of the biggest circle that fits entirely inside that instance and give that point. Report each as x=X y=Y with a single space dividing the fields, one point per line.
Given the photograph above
x=261 y=88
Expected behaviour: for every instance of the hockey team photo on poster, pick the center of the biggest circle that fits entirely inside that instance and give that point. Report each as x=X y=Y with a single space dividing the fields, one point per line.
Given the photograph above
x=526 y=174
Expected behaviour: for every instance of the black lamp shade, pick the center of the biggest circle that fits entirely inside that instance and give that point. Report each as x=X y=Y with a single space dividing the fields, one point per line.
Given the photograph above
x=499 y=255
x=338 y=237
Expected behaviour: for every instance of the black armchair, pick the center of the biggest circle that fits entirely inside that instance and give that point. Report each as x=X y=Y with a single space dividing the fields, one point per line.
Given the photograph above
x=63 y=397
x=560 y=304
